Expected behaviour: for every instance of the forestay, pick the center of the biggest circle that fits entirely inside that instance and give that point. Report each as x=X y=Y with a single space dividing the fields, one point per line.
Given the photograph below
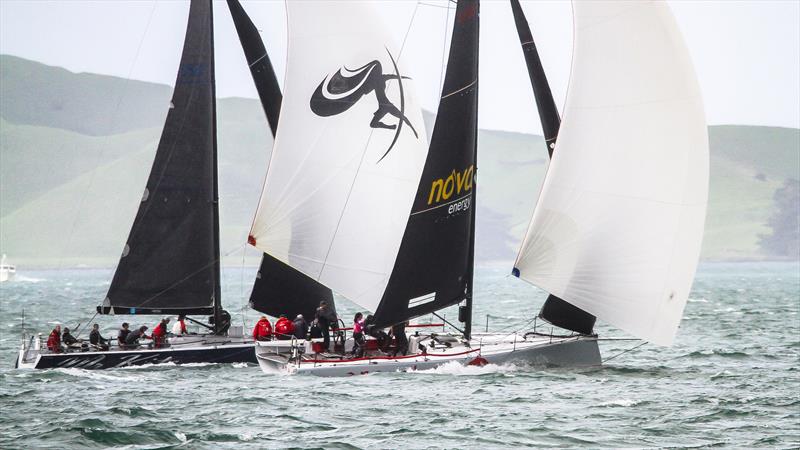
x=348 y=153
x=619 y=222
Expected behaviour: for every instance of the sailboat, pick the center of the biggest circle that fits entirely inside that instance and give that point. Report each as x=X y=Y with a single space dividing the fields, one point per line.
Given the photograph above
x=7 y=271
x=170 y=264
x=359 y=206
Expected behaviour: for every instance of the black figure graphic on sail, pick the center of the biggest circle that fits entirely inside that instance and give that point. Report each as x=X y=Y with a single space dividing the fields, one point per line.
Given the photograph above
x=555 y=310
x=434 y=265
x=278 y=288
x=338 y=92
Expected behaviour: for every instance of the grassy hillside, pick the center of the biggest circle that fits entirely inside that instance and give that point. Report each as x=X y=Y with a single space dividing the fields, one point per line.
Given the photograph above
x=70 y=179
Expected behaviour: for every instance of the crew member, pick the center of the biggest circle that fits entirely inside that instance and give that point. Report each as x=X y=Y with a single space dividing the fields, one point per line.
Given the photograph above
x=401 y=340
x=160 y=333
x=300 y=327
x=96 y=339
x=122 y=336
x=263 y=330
x=379 y=335
x=132 y=340
x=54 y=340
x=326 y=317
x=180 y=326
x=358 y=336
x=67 y=338
x=284 y=328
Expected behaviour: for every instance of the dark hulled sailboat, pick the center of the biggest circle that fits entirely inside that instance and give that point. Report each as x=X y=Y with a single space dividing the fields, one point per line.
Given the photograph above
x=170 y=264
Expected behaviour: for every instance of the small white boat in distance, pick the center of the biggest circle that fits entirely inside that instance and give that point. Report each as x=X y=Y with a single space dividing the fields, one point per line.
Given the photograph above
x=7 y=271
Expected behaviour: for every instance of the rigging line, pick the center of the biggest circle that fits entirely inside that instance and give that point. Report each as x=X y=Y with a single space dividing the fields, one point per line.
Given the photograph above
x=444 y=49
x=623 y=352
x=113 y=118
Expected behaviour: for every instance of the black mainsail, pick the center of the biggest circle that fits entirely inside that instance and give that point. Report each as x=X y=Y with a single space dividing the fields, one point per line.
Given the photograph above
x=170 y=263
x=555 y=310
x=434 y=266
x=278 y=288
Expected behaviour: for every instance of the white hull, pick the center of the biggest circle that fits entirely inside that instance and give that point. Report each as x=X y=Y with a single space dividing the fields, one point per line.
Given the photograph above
x=540 y=351
x=7 y=273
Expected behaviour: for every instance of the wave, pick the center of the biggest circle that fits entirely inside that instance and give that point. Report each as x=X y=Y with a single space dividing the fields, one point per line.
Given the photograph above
x=24 y=279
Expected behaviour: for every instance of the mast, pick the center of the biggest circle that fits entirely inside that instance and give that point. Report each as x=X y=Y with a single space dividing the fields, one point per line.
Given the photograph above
x=215 y=177
x=555 y=310
x=471 y=260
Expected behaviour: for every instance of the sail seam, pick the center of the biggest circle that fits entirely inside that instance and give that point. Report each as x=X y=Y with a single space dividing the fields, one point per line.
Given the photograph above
x=461 y=89
x=257 y=60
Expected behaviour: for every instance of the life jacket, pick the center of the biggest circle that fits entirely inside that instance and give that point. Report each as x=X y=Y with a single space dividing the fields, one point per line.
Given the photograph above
x=263 y=329
x=54 y=342
x=284 y=328
x=160 y=330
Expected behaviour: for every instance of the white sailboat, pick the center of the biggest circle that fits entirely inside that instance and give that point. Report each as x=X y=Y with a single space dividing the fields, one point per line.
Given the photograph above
x=361 y=208
x=7 y=271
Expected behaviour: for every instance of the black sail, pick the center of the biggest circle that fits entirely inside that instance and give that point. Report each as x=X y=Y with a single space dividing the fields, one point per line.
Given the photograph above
x=170 y=263
x=434 y=265
x=555 y=310
x=260 y=65
x=278 y=288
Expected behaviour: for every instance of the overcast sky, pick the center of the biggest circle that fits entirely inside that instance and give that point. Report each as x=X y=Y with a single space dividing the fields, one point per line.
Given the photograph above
x=746 y=53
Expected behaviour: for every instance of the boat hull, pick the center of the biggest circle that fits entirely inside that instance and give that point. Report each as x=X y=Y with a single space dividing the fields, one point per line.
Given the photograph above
x=576 y=351
x=234 y=352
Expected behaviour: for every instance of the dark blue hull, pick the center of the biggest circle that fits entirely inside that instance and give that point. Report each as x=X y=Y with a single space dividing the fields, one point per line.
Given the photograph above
x=233 y=353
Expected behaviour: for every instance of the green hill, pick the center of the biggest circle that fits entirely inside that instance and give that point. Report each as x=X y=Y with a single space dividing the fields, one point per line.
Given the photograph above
x=75 y=151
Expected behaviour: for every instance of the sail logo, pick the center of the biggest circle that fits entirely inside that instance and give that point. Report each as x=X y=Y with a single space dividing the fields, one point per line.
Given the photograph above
x=189 y=73
x=340 y=91
x=453 y=186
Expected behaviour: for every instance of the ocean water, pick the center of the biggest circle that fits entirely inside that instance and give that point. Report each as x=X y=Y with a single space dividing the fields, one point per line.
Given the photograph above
x=731 y=380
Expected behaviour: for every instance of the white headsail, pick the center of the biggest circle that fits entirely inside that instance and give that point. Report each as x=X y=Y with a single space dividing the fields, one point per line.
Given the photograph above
x=348 y=154
x=619 y=222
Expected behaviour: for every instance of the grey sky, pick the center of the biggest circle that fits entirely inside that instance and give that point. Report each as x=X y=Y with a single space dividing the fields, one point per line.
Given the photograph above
x=746 y=53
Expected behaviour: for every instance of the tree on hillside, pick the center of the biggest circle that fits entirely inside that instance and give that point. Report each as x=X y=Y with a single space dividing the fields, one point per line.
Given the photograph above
x=785 y=223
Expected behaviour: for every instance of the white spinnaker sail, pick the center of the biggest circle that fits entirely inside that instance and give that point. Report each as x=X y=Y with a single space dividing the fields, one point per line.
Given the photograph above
x=619 y=222
x=335 y=204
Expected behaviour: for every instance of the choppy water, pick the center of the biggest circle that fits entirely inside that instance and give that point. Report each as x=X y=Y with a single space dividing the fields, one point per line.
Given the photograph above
x=732 y=379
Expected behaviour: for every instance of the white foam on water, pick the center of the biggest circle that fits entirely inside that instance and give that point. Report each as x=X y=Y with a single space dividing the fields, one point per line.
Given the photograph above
x=24 y=279
x=94 y=374
x=623 y=402
x=181 y=437
x=458 y=369
x=240 y=365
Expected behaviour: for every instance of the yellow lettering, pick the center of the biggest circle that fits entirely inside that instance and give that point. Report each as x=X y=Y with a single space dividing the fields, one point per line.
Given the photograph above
x=468 y=174
x=436 y=184
x=460 y=178
x=446 y=193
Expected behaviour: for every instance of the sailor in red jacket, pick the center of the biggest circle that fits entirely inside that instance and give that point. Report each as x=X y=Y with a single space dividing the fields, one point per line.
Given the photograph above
x=284 y=328
x=262 y=330
x=54 y=340
x=160 y=333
